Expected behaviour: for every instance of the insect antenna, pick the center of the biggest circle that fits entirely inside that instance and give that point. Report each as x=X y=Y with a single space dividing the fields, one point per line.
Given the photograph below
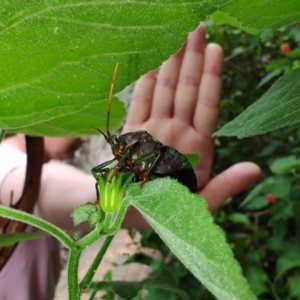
x=111 y=91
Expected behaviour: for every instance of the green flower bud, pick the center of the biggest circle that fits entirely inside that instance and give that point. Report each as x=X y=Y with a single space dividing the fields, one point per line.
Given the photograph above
x=111 y=193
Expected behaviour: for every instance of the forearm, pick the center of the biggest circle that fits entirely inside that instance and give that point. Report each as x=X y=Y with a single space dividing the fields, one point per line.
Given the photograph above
x=63 y=187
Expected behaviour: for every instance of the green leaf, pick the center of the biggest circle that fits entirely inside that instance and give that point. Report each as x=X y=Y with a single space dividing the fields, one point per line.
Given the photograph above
x=284 y=165
x=239 y=218
x=294 y=54
x=271 y=14
x=296 y=211
x=278 y=107
x=295 y=287
x=8 y=239
x=277 y=244
x=186 y=226
x=220 y=18
x=86 y=212
x=269 y=76
x=108 y=276
x=289 y=260
x=125 y=289
x=281 y=188
x=140 y=258
x=193 y=158
x=129 y=289
x=57 y=57
x=71 y=124
x=256 y=203
x=166 y=281
x=258 y=190
x=257 y=279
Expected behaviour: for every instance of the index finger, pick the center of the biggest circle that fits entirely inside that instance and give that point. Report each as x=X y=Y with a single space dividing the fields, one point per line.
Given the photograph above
x=207 y=107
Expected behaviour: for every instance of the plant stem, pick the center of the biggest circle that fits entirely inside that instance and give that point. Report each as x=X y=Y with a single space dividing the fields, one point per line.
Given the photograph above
x=89 y=239
x=95 y=264
x=15 y=214
x=273 y=290
x=120 y=214
x=73 y=286
x=93 y=294
x=107 y=221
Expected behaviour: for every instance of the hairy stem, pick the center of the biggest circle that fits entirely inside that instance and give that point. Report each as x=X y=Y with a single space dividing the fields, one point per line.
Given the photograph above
x=95 y=264
x=73 y=286
x=21 y=216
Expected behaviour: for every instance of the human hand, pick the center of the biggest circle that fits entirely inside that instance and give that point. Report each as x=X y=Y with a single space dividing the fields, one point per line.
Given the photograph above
x=179 y=106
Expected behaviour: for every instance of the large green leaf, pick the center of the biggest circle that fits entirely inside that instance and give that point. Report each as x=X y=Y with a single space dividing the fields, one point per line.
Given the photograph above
x=57 y=56
x=278 y=107
x=186 y=226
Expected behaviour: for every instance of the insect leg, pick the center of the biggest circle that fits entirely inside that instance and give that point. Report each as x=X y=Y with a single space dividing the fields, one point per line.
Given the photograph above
x=101 y=168
x=97 y=190
x=120 y=161
x=157 y=154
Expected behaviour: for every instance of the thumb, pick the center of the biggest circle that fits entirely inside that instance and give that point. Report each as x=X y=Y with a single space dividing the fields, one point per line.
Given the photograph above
x=229 y=183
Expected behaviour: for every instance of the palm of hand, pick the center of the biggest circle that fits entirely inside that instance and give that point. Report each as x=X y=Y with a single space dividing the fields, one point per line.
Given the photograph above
x=179 y=106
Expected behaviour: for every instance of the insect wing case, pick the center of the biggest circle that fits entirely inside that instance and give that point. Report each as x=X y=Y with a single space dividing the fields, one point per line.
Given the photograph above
x=147 y=152
x=175 y=165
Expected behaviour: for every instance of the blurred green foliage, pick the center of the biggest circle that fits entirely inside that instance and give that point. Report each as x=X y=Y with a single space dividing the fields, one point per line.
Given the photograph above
x=262 y=225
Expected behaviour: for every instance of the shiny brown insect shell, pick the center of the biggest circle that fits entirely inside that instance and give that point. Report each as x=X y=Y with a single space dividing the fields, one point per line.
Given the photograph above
x=147 y=158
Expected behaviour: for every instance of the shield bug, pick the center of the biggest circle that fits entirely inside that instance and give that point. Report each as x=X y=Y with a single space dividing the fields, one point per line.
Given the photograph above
x=143 y=155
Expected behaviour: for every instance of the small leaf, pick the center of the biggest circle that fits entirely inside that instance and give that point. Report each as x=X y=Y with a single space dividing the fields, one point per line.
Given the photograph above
x=193 y=158
x=220 y=18
x=239 y=218
x=108 y=276
x=278 y=245
x=8 y=239
x=94 y=218
x=295 y=287
x=257 y=279
x=289 y=260
x=86 y=212
x=257 y=203
x=278 y=107
x=284 y=165
x=296 y=211
x=294 y=54
x=186 y=226
x=269 y=76
x=165 y=280
x=125 y=289
x=258 y=190
x=281 y=188
x=140 y=258
x=130 y=289
x=270 y=14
